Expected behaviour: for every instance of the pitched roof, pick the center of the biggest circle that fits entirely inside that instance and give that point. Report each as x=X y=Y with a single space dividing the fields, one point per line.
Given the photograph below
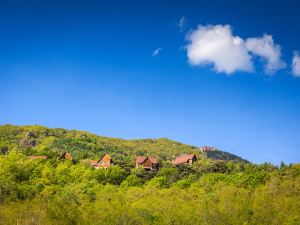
x=153 y=160
x=183 y=158
x=37 y=157
x=141 y=159
x=103 y=157
x=66 y=155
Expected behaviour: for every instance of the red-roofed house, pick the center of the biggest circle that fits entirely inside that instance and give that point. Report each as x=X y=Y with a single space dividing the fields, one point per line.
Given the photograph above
x=148 y=163
x=185 y=159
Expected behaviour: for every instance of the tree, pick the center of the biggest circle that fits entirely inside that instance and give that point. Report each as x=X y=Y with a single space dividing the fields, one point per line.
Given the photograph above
x=115 y=175
x=132 y=181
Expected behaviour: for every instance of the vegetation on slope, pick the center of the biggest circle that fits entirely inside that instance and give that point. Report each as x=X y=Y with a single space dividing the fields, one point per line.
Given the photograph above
x=39 y=140
x=210 y=192
x=64 y=192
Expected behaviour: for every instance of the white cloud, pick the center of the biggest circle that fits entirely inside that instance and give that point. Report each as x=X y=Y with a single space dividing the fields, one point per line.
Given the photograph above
x=217 y=46
x=268 y=50
x=296 y=64
x=182 y=23
x=156 y=51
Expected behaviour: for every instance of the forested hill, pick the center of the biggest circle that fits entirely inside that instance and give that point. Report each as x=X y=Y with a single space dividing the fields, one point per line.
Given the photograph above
x=71 y=192
x=40 y=140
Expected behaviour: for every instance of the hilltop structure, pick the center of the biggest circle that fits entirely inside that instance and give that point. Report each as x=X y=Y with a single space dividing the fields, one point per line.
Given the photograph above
x=207 y=149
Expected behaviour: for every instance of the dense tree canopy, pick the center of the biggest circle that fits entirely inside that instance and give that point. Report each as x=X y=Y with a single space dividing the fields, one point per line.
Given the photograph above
x=47 y=191
x=50 y=192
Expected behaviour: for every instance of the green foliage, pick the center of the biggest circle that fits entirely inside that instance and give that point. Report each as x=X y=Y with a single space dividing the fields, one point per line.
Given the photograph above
x=115 y=175
x=64 y=192
x=144 y=175
x=64 y=209
x=159 y=182
x=46 y=192
x=132 y=181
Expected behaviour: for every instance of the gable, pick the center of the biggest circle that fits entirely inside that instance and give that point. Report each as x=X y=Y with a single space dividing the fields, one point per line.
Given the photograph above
x=140 y=159
x=66 y=155
x=147 y=162
x=104 y=158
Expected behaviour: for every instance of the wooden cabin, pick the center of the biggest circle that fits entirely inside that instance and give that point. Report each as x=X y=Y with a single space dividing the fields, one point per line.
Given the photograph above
x=104 y=162
x=65 y=155
x=147 y=163
x=185 y=159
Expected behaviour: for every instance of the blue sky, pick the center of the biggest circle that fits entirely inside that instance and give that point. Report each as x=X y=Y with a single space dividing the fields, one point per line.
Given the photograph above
x=92 y=65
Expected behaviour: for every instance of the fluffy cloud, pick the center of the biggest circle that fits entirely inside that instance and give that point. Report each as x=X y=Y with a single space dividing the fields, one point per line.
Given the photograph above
x=156 y=51
x=216 y=45
x=265 y=48
x=296 y=64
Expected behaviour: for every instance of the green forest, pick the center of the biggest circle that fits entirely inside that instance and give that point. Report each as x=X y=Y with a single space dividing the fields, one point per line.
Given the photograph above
x=219 y=188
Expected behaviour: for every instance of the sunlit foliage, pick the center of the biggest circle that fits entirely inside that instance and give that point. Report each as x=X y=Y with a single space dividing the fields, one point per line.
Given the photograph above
x=71 y=192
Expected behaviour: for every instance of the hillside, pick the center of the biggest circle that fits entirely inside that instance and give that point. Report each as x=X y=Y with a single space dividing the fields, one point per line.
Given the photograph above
x=70 y=192
x=35 y=140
